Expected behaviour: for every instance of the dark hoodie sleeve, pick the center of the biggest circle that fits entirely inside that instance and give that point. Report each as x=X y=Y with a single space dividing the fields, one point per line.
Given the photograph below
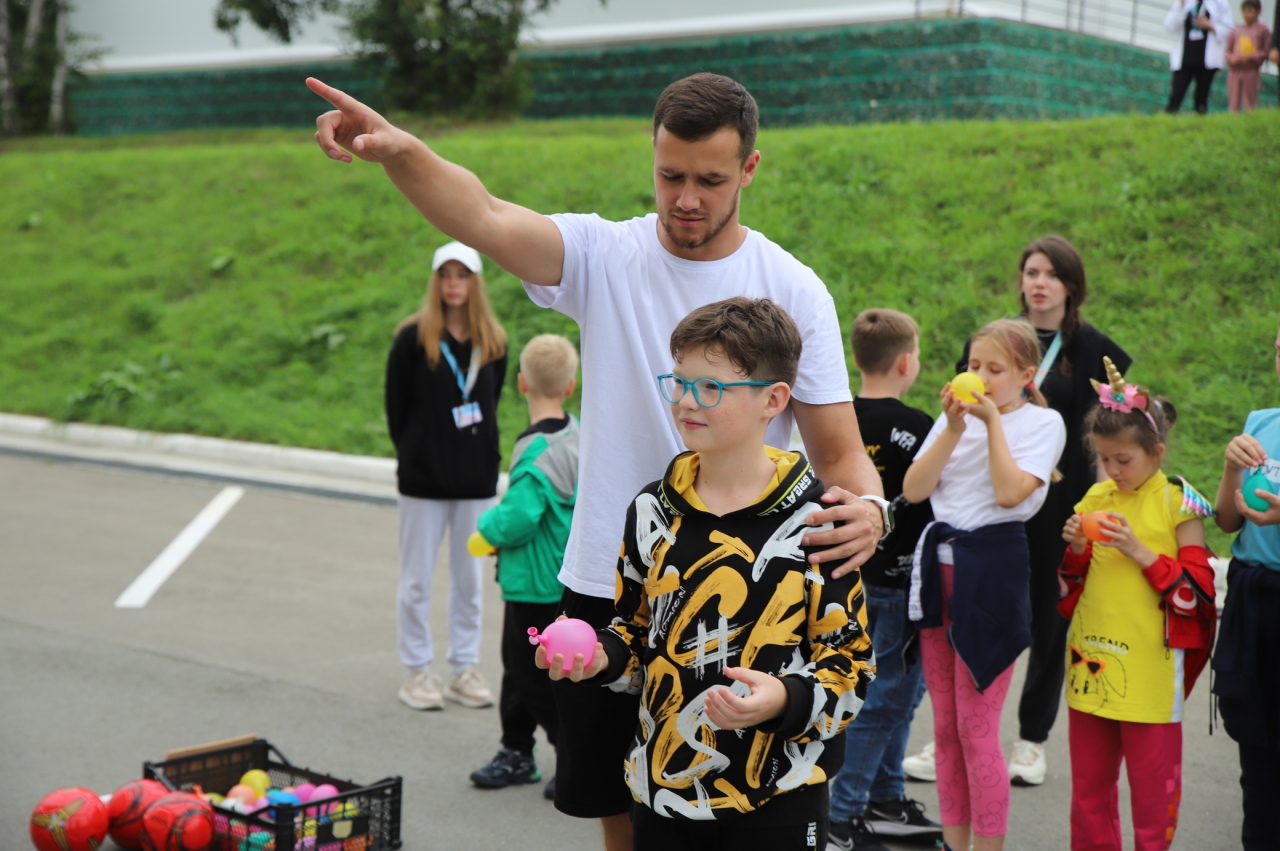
x=398 y=389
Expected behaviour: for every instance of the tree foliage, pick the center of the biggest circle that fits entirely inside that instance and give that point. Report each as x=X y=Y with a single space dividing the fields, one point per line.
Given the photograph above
x=278 y=18
x=432 y=56
x=39 y=55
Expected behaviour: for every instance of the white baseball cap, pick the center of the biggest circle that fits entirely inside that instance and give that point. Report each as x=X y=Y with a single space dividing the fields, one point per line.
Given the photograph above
x=464 y=254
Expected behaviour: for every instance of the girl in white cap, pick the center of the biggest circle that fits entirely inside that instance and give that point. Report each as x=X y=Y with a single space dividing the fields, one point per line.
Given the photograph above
x=444 y=377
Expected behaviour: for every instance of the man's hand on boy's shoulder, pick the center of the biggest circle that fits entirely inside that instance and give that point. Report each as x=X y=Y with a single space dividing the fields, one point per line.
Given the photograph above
x=859 y=527
x=729 y=711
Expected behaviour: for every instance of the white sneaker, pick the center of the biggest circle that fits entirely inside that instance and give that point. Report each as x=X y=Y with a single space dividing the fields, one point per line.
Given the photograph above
x=469 y=689
x=921 y=765
x=1027 y=768
x=422 y=691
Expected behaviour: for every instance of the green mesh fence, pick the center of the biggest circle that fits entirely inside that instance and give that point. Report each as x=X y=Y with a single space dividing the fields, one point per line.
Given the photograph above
x=919 y=70
x=916 y=70
x=242 y=97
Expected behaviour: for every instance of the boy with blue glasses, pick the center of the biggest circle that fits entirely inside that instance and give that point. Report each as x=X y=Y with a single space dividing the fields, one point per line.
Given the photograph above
x=748 y=661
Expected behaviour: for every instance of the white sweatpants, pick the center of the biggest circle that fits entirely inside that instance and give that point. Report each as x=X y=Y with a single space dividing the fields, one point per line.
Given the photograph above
x=422 y=527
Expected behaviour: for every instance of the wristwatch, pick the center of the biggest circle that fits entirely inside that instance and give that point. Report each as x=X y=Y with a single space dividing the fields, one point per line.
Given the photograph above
x=886 y=511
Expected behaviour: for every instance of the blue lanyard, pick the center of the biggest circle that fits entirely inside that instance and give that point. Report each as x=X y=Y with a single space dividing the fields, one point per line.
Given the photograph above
x=467 y=384
x=1048 y=359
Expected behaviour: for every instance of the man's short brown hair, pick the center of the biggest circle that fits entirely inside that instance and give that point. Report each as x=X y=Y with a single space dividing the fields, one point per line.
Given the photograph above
x=879 y=336
x=696 y=107
x=758 y=337
x=548 y=363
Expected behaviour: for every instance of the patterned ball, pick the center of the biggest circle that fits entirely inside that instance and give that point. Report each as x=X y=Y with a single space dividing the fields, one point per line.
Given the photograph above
x=179 y=821
x=69 y=819
x=125 y=810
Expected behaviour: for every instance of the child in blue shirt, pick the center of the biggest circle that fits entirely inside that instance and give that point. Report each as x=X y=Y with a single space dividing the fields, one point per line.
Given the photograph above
x=1247 y=659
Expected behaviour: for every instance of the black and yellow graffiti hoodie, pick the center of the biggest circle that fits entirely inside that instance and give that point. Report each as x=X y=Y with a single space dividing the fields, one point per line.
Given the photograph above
x=697 y=593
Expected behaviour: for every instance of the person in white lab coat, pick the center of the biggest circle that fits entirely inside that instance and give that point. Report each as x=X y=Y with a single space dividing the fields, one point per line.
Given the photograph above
x=1202 y=27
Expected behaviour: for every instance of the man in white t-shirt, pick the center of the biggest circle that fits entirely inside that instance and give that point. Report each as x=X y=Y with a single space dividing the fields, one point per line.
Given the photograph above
x=627 y=284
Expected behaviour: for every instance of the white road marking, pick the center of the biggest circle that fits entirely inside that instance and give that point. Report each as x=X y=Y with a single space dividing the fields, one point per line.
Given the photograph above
x=140 y=591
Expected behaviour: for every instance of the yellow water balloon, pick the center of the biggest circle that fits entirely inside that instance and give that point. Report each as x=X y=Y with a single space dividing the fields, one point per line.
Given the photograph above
x=478 y=546
x=965 y=385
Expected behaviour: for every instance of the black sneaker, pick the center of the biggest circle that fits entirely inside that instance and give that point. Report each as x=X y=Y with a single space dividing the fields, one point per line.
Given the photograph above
x=507 y=767
x=549 y=791
x=903 y=819
x=852 y=835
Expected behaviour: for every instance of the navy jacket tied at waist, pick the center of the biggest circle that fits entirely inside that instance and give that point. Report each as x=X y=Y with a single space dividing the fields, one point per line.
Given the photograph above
x=990 y=603
x=1246 y=681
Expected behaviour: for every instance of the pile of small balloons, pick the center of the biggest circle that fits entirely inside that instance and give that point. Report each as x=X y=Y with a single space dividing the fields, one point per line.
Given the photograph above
x=254 y=795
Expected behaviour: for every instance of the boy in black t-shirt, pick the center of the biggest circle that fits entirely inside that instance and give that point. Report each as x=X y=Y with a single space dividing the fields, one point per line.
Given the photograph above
x=868 y=794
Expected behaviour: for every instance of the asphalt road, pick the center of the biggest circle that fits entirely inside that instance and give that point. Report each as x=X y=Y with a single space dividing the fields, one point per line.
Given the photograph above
x=282 y=624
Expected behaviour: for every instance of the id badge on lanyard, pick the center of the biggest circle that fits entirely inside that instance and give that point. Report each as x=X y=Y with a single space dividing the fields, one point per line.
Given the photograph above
x=468 y=413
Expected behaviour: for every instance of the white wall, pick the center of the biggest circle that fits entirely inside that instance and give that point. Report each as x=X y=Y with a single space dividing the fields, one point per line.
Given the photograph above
x=179 y=34
x=165 y=34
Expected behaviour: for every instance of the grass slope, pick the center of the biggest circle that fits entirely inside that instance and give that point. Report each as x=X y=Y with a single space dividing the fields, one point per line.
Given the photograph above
x=242 y=285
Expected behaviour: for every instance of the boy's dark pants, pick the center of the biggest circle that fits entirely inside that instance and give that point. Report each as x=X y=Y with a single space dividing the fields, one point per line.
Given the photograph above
x=526 y=699
x=1247 y=665
x=792 y=821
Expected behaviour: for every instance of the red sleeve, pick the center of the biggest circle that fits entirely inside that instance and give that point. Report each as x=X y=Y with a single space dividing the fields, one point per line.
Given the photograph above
x=1071 y=575
x=1191 y=572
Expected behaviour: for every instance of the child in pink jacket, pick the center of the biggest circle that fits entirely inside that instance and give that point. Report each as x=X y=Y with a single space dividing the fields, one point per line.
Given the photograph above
x=1247 y=48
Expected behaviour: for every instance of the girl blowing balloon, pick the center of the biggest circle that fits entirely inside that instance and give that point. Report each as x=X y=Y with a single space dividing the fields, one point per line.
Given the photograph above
x=1140 y=599
x=985 y=466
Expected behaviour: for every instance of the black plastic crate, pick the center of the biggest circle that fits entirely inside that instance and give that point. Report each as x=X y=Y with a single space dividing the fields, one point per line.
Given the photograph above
x=369 y=820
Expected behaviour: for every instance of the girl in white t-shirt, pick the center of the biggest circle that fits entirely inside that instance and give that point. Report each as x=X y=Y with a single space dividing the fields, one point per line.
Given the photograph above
x=985 y=467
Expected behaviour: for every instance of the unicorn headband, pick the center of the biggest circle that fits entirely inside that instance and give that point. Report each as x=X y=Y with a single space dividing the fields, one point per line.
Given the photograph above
x=1116 y=395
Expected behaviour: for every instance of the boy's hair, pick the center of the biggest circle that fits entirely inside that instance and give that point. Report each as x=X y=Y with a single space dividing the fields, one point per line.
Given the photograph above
x=1251 y=4
x=757 y=336
x=879 y=336
x=1104 y=422
x=696 y=107
x=1017 y=339
x=548 y=363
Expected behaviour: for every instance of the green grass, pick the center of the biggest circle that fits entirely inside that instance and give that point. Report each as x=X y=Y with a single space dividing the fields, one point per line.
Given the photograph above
x=110 y=248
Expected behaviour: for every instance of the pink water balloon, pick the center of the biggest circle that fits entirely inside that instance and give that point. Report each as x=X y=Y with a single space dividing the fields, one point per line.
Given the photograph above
x=568 y=637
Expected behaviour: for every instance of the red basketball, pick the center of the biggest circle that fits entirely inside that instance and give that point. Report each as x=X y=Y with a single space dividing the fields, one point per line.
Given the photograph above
x=179 y=821
x=126 y=807
x=69 y=819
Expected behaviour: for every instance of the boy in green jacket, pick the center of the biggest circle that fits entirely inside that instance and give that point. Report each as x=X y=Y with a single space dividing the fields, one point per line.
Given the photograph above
x=529 y=529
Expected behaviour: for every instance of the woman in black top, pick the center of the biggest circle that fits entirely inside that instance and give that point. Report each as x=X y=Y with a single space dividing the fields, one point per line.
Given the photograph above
x=1051 y=290
x=444 y=377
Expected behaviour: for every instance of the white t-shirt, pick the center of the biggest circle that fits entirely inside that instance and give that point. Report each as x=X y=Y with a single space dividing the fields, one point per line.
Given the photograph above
x=627 y=293
x=965 y=497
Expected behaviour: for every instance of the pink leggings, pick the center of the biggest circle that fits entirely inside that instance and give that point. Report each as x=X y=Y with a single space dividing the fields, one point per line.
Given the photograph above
x=973 y=780
x=1153 y=755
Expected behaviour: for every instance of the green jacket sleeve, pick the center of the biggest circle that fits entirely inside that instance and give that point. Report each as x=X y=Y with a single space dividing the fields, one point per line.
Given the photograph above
x=514 y=520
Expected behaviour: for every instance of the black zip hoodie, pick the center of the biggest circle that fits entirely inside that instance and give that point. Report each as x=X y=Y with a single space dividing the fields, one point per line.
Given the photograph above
x=438 y=460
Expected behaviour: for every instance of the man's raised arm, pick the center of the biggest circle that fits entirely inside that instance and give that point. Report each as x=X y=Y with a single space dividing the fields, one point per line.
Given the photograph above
x=525 y=243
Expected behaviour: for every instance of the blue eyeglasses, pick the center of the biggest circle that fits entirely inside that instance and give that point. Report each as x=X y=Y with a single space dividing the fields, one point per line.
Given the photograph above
x=707 y=392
